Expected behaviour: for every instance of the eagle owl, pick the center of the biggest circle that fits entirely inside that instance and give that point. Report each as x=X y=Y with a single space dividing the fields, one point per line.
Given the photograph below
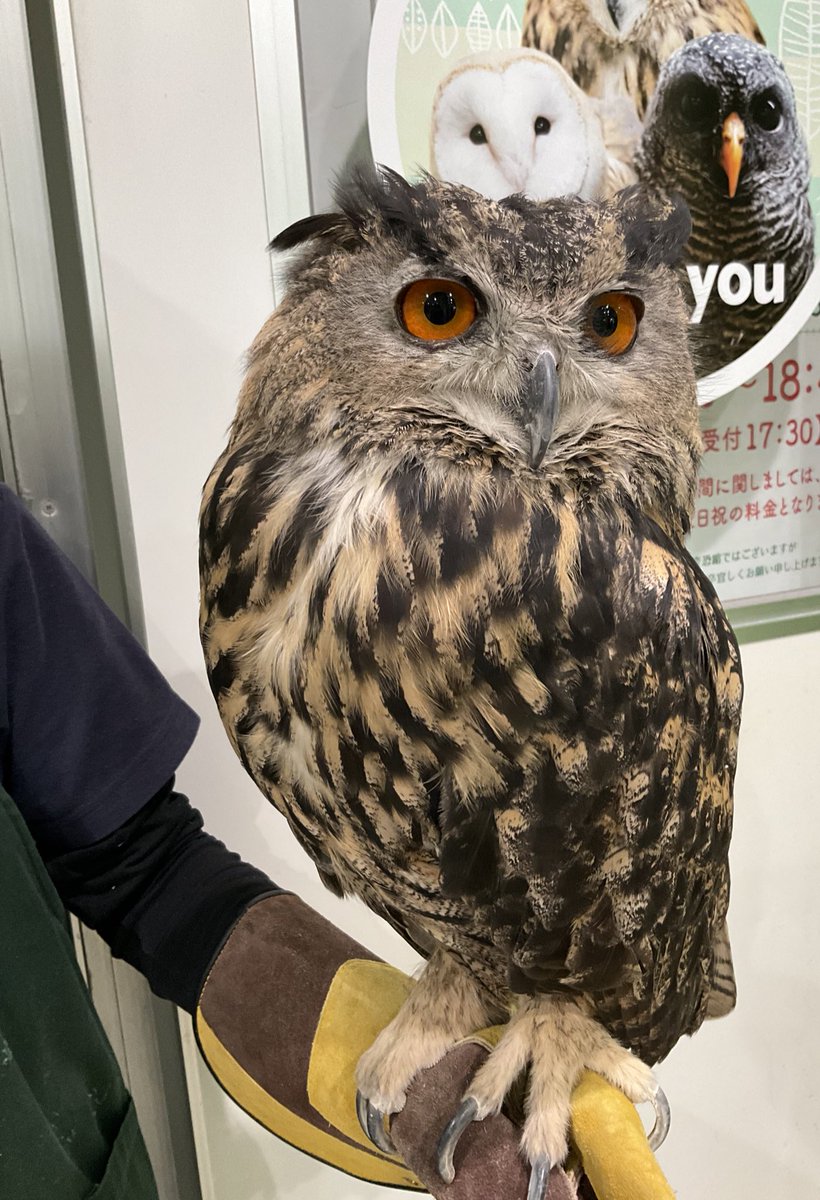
x=617 y=47
x=454 y=634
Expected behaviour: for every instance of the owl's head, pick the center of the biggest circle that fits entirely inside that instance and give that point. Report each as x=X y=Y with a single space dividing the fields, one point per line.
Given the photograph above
x=425 y=318
x=516 y=122
x=723 y=125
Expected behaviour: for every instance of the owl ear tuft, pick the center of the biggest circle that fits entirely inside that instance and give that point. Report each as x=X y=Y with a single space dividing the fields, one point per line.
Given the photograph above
x=332 y=227
x=656 y=228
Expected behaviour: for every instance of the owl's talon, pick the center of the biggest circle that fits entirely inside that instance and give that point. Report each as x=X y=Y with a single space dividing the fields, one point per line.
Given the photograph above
x=445 y=1153
x=663 y=1118
x=539 y=1179
x=361 y=1111
x=372 y=1123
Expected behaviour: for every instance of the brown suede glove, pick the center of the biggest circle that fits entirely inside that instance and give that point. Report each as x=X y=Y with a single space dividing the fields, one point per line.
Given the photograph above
x=287 y=1009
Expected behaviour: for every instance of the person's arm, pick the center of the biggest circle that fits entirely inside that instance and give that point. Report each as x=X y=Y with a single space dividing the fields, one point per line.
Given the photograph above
x=90 y=736
x=89 y=728
x=283 y=1001
x=162 y=892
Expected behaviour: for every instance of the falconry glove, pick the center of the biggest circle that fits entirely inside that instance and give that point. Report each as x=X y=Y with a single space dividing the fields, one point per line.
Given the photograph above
x=287 y=1009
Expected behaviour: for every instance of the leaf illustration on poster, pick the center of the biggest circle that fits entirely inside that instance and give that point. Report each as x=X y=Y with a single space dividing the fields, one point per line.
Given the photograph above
x=444 y=30
x=752 y=277
x=414 y=27
x=799 y=47
x=479 y=31
x=508 y=30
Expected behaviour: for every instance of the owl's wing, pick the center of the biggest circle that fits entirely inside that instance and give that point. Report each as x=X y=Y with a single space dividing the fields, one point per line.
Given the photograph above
x=615 y=718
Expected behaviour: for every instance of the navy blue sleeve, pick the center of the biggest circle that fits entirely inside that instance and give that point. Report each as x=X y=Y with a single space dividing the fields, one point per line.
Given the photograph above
x=89 y=728
x=162 y=892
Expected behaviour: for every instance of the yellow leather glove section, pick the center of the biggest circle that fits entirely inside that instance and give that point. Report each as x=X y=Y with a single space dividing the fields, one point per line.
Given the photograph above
x=363 y=997
x=612 y=1144
x=340 y=1042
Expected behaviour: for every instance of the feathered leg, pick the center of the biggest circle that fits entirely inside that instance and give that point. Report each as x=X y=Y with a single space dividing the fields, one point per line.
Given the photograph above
x=445 y=1005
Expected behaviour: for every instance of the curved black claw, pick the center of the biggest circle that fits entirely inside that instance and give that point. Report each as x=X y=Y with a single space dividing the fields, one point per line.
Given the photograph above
x=539 y=1179
x=663 y=1119
x=465 y=1115
x=372 y=1122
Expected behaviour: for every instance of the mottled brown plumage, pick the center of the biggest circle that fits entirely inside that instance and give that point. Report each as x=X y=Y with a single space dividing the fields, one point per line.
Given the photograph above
x=617 y=47
x=496 y=700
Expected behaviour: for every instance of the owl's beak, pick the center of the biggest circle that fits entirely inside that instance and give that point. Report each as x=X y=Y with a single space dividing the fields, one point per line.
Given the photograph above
x=540 y=403
x=731 y=151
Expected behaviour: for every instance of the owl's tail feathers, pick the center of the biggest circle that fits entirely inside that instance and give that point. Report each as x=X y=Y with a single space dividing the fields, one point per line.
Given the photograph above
x=723 y=994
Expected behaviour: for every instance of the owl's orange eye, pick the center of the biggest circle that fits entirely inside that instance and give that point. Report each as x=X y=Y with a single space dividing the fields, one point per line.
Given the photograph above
x=612 y=321
x=436 y=310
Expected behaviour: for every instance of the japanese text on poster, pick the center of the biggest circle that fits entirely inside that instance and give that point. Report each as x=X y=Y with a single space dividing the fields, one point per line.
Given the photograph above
x=756 y=531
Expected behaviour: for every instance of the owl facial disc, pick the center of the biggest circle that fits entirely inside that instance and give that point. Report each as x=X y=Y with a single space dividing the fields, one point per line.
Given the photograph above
x=540 y=401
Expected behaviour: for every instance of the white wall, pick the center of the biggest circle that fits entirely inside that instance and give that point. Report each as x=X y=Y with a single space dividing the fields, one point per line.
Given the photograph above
x=746 y=1119
x=172 y=139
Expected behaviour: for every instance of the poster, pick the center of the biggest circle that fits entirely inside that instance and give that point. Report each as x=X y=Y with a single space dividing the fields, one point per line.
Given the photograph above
x=756 y=529
x=465 y=89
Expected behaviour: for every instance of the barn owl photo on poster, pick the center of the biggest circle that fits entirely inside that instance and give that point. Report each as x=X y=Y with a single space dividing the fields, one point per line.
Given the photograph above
x=715 y=100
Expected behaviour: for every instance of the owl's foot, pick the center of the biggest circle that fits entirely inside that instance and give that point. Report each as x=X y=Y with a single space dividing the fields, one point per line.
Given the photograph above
x=556 y=1041
x=444 y=1007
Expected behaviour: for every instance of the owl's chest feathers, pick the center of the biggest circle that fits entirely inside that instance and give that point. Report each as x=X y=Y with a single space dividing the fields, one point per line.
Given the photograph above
x=363 y=644
x=649 y=27
x=723 y=235
x=400 y=638
x=425 y=642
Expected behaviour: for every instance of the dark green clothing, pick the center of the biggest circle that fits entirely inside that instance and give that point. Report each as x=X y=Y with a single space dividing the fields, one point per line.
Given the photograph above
x=68 y=1130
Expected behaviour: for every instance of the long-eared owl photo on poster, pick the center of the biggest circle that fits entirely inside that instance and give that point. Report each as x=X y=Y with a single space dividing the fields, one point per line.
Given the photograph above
x=718 y=100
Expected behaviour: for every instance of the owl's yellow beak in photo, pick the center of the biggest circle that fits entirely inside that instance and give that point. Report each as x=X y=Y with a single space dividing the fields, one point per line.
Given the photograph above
x=731 y=151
